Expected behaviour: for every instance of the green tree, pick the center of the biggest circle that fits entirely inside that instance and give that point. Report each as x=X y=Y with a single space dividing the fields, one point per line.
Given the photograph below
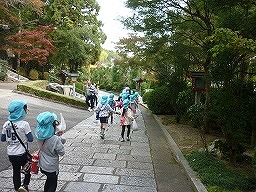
x=177 y=35
x=78 y=32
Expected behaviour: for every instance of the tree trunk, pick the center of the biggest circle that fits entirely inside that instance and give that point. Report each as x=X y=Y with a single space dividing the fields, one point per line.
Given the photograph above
x=207 y=95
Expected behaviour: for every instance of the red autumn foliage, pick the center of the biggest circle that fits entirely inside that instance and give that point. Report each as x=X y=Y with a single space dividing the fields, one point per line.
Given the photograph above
x=8 y=10
x=34 y=45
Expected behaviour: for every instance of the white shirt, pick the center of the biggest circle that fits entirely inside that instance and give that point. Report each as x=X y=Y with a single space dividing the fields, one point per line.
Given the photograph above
x=14 y=147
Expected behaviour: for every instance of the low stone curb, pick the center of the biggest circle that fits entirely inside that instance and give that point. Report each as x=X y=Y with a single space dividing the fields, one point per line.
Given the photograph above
x=197 y=184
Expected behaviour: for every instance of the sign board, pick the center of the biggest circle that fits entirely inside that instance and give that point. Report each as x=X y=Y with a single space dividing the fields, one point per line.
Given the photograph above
x=198 y=82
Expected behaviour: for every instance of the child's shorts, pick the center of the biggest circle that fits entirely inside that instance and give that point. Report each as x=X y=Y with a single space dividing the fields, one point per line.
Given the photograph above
x=103 y=119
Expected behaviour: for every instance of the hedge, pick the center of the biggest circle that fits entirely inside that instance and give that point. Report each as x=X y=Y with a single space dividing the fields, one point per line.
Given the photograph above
x=37 y=88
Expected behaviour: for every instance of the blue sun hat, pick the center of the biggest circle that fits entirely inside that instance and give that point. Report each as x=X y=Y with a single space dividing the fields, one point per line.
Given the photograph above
x=124 y=96
x=104 y=100
x=17 y=110
x=136 y=94
x=132 y=98
x=126 y=103
x=45 y=128
x=111 y=97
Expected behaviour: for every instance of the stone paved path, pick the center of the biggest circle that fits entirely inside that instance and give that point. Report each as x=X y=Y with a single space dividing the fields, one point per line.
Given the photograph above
x=92 y=164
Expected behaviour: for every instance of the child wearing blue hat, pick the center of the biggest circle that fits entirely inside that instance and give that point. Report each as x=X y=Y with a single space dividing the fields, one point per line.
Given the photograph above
x=103 y=109
x=112 y=104
x=134 y=103
x=16 y=127
x=127 y=119
x=51 y=147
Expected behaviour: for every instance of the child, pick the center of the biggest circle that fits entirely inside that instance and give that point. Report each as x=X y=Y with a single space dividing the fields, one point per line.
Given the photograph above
x=51 y=147
x=103 y=109
x=134 y=103
x=90 y=91
x=112 y=104
x=126 y=119
x=15 y=150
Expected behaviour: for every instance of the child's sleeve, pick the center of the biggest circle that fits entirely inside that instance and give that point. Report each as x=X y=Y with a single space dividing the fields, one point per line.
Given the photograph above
x=59 y=147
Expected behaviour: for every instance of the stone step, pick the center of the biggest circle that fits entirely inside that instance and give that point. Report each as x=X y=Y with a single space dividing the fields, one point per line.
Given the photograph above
x=16 y=77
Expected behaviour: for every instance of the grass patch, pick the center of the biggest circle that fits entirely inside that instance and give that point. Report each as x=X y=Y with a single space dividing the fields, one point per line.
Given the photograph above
x=218 y=177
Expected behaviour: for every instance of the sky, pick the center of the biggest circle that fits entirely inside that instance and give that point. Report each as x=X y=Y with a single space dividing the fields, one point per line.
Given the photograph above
x=109 y=13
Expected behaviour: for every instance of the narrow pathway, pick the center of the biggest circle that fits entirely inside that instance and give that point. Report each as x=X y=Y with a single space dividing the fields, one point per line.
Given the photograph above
x=168 y=173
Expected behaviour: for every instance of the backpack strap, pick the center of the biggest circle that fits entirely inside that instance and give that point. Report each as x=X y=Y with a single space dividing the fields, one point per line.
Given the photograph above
x=18 y=136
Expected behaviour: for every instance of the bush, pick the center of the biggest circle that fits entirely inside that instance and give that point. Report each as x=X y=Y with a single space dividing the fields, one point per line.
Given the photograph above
x=80 y=88
x=183 y=102
x=160 y=101
x=33 y=74
x=214 y=173
x=117 y=86
x=45 y=75
x=3 y=76
x=146 y=96
x=196 y=114
x=22 y=71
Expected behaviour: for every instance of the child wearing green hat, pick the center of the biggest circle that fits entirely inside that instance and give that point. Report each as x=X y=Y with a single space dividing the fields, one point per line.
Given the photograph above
x=51 y=147
x=16 y=127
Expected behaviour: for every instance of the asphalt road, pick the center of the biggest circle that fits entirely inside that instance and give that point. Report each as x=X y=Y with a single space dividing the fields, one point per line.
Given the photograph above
x=35 y=106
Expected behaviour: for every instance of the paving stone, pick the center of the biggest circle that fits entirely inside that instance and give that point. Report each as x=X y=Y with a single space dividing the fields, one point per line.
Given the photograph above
x=140 y=152
x=139 y=165
x=6 y=173
x=145 y=148
x=81 y=154
x=77 y=144
x=138 y=181
x=125 y=188
x=134 y=172
x=102 y=145
x=139 y=145
x=68 y=176
x=75 y=140
x=6 y=183
x=110 y=163
x=97 y=170
x=75 y=161
x=37 y=184
x=120 y=151
x=96 y=178
x=91 y=149
x=139 y=158
x=104 y=156
x=68 y=148
x=82 y=187
x=69 y=168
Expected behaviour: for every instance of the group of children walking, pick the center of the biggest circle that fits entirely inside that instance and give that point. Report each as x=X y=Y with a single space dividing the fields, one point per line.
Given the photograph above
x=17 y=133
x=126 y=106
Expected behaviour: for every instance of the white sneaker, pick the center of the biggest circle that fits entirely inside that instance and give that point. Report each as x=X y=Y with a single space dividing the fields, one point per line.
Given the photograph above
x=89 y=109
